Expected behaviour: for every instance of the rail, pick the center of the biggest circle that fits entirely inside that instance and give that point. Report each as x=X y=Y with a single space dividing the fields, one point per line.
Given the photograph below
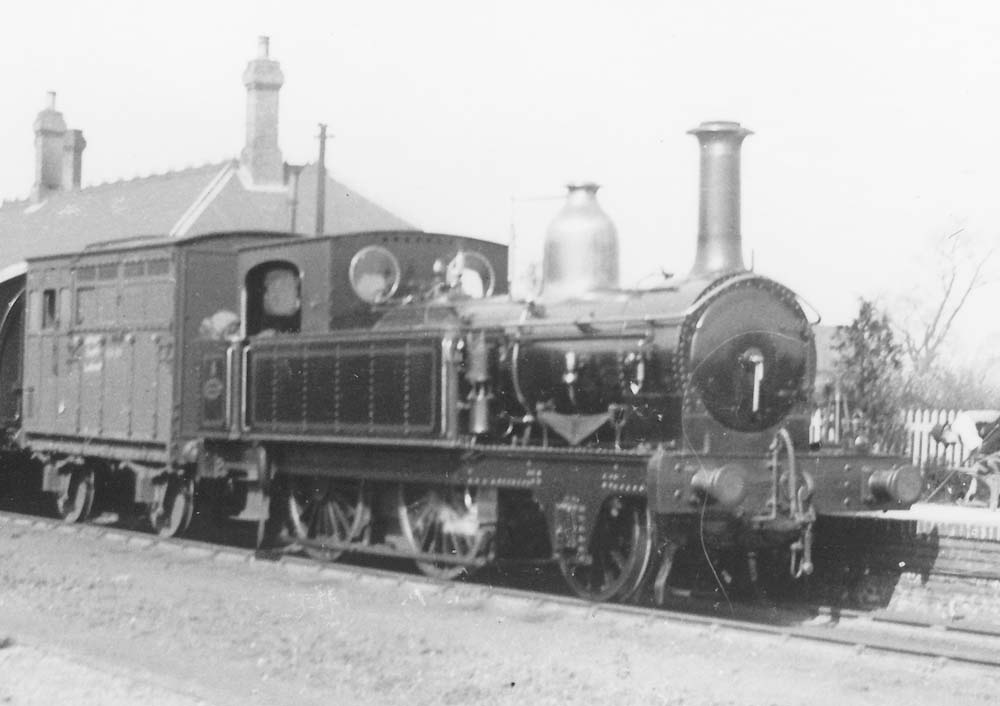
x=855 y=630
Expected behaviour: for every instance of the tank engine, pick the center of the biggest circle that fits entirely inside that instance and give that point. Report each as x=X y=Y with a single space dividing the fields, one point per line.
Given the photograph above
x=600 y=426
x=383 y=393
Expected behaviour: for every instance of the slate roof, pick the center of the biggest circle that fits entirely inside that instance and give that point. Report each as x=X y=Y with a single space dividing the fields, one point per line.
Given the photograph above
x=209 y=198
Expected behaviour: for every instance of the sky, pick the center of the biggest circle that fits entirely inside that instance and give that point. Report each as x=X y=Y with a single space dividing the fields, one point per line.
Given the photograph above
x=876 y=123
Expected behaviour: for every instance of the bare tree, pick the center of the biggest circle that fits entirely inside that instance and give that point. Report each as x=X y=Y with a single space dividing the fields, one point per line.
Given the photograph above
x=962 y=269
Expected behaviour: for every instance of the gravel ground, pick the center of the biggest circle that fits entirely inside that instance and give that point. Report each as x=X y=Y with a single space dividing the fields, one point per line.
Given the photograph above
x=104 y=621
x=33 y=675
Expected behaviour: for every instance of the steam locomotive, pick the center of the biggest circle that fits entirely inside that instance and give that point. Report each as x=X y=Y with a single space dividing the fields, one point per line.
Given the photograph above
x=383 y=393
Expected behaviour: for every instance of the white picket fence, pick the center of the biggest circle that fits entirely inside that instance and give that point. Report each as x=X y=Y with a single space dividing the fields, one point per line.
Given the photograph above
x=920 y=446
x=916 y=442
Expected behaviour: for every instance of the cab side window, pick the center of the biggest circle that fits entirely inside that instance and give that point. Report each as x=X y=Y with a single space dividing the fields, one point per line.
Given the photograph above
x=273 y=299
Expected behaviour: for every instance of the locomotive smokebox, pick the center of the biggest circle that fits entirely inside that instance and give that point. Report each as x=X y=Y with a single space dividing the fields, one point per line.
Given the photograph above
x=581 y=248
x=720 y=246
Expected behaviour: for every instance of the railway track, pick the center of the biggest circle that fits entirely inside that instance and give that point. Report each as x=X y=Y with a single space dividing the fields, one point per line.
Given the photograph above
x=861 y=631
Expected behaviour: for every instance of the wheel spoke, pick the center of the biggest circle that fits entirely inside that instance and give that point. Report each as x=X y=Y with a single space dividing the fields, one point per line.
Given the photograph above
x=329 y=520
x=424 y=515
x=341 y=526
x=430 y=537
x=340 y=514
x=609 y=578
x=617 y=558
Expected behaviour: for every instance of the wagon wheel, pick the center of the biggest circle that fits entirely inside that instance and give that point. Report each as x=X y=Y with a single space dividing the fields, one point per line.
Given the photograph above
x=443 y=521
x=75 y=501
x=620 y=550
x=329 y=511
x=171 y=515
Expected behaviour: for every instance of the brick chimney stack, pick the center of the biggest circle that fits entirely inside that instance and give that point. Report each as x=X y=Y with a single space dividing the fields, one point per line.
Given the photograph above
x=49 y=131
x=73 y=146
x=261 y=156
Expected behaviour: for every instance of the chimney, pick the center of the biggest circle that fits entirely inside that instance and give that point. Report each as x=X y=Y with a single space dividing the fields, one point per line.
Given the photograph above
x=49 y=130
x=720 y=246
x=261 y=156
x=73 y=146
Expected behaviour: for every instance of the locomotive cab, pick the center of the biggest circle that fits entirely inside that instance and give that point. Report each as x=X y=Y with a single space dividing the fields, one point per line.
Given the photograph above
x=337 y=326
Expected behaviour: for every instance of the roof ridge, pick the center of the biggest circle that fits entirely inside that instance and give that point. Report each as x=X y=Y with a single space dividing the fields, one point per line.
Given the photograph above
x=58 y=199
x=205 y=166
x=115 y=183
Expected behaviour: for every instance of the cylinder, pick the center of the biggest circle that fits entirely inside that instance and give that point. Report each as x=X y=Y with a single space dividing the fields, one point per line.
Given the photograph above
x=581 y=248
x=720 y=246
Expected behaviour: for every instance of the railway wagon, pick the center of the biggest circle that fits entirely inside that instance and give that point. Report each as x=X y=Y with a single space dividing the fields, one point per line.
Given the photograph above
x=105 y=361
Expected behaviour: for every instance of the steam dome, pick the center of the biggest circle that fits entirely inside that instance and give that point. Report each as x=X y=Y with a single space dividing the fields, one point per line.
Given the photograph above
x=581 y=247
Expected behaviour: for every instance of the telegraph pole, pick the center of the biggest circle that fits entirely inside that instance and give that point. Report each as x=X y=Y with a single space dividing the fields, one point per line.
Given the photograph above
x=321 y=182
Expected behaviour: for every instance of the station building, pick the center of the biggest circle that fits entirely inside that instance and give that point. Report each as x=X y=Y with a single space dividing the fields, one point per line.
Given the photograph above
x=255 y=191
